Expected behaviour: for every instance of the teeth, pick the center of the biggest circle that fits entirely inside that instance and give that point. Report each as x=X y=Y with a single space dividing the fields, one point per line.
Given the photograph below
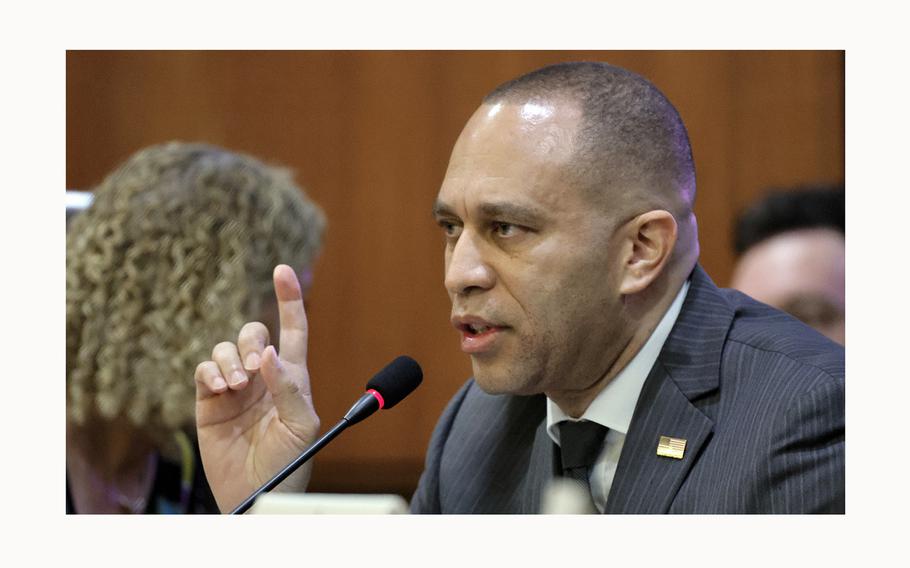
x=478 y=328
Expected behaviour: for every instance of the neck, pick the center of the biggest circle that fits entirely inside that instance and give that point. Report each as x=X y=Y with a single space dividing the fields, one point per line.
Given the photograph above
x=646 y=310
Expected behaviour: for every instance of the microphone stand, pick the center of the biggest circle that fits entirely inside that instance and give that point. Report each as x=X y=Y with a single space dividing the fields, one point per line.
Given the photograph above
x=368 y=404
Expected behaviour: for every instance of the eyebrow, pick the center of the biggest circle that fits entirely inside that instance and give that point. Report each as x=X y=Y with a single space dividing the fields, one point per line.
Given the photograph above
x=505 y=210
x=440 y=209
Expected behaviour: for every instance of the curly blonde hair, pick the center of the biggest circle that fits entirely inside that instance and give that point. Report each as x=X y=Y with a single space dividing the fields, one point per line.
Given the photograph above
x=175 y=253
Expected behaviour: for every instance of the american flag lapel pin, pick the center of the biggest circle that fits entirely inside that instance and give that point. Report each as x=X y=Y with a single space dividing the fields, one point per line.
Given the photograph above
x=671 y=447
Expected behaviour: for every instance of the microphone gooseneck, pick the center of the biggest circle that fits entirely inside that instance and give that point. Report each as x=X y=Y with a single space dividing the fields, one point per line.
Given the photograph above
x=387 y=388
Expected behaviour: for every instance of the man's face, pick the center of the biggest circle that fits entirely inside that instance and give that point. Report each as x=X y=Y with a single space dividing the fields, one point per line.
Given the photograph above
x=529 y=259
x=800 y=272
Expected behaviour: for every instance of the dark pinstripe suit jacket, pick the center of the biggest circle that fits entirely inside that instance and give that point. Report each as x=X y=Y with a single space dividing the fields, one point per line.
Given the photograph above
x=758 y=396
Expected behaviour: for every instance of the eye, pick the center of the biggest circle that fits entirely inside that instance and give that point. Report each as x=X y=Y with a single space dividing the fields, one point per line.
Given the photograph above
x=450 y=228
x=505 y=229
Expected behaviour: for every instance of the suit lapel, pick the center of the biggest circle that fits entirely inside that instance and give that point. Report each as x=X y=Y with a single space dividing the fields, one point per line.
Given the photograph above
x=506 y=461
x=540 y=470
x=687 y=369
x=645 y=482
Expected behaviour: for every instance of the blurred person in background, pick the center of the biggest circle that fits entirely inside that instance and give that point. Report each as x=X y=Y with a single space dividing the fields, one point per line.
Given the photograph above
x=174 y=254
x=791 y=247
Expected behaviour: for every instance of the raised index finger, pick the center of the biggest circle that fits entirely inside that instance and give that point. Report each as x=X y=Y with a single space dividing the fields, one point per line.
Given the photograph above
x=292 y=337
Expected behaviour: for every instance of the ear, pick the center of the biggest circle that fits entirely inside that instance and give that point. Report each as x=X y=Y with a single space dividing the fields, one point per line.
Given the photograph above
x=651 y=238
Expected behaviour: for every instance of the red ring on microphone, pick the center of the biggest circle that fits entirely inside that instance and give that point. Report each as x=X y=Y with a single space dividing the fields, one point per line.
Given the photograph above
x=377 y=396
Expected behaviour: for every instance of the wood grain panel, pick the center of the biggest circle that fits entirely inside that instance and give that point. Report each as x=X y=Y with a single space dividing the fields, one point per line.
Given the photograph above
x=369 y=134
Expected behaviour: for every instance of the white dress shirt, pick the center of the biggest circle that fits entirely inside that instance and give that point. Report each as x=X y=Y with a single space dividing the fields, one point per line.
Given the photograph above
x=614 y=405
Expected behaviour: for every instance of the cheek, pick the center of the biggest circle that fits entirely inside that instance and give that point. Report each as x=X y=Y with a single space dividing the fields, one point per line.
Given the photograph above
x=581 y=304
x=445 y=270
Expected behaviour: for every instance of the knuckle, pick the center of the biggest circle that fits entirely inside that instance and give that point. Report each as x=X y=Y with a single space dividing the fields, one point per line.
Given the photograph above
x=252 y=327
x=224 y=348
x=200 y=368
x=254 y=331
x=203 y=370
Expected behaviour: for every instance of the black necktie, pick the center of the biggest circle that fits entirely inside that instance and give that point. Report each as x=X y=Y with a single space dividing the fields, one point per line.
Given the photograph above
x=579 y=445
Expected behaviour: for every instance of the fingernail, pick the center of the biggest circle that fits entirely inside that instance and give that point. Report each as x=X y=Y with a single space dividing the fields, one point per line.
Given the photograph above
x=237 y=378
x=273 y=356
x=219 y=384
x=277 y=360
x=252 y=361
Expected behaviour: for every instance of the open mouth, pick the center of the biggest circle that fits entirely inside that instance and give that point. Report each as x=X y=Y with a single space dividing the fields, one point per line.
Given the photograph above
x=476 y=330
x=478 y=336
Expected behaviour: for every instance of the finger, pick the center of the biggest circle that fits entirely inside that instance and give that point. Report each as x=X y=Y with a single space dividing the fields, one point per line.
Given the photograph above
x=289 y=386
x=227 y=357
x=292 y=337
x=253 y=338
x=209 y=380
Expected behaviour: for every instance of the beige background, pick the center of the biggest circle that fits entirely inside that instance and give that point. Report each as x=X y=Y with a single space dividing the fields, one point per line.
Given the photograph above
x=369 y=134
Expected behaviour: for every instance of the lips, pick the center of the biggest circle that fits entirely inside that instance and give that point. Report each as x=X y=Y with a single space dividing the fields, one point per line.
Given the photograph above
x=478 y=335
x=474 y=324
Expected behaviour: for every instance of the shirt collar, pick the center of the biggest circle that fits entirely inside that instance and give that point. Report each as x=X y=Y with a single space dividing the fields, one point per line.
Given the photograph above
x=614 y=405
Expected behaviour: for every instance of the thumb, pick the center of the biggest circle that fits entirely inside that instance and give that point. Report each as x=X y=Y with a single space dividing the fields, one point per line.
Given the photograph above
x=289 y=386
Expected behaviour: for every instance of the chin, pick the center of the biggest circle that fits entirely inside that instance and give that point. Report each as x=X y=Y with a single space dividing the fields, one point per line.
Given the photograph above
x=503 y=379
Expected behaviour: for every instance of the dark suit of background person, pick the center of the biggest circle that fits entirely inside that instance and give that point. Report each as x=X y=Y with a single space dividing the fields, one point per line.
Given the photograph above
x=758 y=396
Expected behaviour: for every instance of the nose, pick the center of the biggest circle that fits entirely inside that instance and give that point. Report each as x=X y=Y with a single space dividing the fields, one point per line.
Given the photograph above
x=466 y=270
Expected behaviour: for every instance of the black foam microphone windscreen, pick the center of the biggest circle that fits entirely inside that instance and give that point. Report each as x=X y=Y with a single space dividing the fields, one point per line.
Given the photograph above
x=396 y=380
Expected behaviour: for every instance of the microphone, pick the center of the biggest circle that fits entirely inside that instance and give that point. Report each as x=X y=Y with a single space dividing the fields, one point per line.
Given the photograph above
x=387 y=388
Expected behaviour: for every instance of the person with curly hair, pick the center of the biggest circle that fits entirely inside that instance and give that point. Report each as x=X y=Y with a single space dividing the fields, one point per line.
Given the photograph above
x=175 y=252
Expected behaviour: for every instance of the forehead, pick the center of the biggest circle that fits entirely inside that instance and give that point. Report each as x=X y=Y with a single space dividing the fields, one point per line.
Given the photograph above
x=516 y=153
x=795 y=262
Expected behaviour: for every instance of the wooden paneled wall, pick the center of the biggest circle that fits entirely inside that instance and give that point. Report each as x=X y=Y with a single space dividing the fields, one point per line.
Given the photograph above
x=369 y=134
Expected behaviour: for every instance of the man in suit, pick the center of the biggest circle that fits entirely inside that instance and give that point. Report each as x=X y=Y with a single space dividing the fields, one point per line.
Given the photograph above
x=600 y=350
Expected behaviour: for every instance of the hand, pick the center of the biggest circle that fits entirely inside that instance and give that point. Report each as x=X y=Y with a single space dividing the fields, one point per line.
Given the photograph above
x=254 y=410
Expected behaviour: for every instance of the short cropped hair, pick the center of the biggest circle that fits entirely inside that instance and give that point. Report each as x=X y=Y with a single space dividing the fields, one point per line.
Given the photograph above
x=782 y=210
x=174 y=254
x=632 y=138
